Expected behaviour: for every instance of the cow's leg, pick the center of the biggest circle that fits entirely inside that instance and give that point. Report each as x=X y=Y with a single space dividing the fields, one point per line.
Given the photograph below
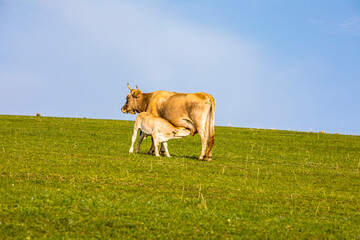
x=201 y=129
x=211 y=140
x=141 y=138
x=162 y=149
x=152 y=148
x=203 y=148
x=203 y=137
x=209 y=156
x=166 y=149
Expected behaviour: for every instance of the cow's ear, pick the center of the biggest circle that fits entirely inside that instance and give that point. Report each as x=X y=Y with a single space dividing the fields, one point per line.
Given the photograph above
x=136 y=93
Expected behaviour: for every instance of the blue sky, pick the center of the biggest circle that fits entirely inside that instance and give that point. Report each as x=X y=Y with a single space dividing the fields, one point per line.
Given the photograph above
x=292 y=65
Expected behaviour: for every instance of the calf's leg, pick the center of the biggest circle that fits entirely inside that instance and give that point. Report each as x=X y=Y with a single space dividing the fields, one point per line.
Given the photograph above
x=156 y=145
x=133 y=138
x=166 y=149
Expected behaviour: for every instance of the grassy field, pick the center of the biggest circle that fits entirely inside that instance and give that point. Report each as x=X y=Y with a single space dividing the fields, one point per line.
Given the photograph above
x=74 y=178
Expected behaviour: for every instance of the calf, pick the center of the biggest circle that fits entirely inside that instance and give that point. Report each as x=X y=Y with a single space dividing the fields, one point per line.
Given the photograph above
x=160 y=130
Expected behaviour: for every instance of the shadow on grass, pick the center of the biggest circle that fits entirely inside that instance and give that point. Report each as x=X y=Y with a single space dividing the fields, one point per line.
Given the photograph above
x=172 y=155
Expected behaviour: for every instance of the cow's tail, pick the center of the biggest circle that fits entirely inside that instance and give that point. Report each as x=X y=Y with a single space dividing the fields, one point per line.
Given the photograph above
x=210 y=125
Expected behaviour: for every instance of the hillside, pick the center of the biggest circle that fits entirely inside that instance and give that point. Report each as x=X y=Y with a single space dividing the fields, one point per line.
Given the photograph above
x=74 y=178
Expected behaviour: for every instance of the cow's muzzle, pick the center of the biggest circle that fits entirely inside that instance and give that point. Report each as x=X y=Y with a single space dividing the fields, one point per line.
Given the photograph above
x=131 y=111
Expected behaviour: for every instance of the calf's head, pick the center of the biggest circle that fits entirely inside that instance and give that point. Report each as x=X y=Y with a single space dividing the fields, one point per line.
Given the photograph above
x=180 y=132
x=131 y=105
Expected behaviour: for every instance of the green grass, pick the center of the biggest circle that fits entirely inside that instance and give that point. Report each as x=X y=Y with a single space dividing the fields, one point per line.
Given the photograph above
x=74 y=178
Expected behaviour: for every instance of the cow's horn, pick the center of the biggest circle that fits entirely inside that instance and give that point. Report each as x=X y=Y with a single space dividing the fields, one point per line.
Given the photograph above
x=137 y=88
x=129 y=87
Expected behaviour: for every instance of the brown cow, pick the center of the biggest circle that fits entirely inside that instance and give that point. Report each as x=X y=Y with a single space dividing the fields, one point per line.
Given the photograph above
x=194 y=111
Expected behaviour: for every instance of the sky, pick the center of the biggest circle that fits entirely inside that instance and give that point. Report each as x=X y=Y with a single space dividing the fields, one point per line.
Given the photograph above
x=277 y=64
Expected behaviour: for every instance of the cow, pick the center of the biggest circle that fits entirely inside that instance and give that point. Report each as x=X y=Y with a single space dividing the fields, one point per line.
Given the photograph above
x=160 y=130
x=194 y=111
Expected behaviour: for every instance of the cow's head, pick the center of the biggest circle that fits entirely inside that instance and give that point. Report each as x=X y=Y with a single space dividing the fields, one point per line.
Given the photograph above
x=131 y=105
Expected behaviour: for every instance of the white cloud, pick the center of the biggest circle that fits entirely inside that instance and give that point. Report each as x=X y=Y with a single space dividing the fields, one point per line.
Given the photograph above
x=159 y=46
x=351 y=25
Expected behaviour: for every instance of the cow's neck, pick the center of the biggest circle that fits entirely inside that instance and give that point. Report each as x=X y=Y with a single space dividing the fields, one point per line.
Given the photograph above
x=143 y=102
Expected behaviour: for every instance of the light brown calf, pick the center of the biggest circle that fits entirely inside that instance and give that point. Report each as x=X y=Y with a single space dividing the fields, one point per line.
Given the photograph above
x=160 y=130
